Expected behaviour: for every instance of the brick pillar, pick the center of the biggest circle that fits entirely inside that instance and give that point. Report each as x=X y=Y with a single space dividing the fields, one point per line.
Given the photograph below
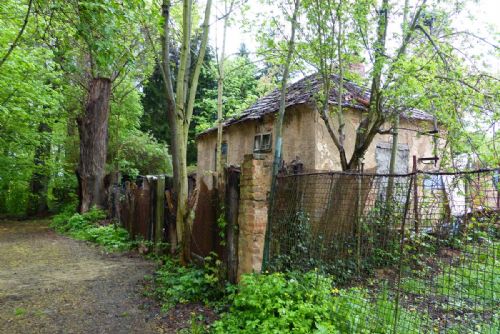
x=255 y=184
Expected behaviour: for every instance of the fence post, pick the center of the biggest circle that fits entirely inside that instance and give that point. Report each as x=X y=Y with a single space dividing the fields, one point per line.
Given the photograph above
x=415 y=194
x=401 y=251
x=152 y=215
x=232 y=208
x=253 y=215
x=358 y=218
x=159 y=211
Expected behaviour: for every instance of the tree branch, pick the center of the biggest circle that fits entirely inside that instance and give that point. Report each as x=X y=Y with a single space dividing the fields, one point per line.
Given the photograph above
x=434 y=45
x=165 y=65
x=20 y=33
x=199 y=63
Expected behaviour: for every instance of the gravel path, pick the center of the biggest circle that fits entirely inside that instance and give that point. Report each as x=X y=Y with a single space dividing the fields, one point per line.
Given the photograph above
x=53 y=284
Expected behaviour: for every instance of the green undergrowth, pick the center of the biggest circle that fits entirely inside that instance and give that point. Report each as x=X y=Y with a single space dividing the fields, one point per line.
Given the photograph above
x=88 y=227
x=174 y=284
x=307 y=303
x=474 y=276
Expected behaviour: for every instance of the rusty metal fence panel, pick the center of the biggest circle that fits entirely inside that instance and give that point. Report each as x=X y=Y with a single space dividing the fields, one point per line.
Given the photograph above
x=143 y=209
x=421 y=251
x=147 y=210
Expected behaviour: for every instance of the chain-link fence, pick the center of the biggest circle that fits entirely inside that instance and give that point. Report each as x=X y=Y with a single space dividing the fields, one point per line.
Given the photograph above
x=415 y=253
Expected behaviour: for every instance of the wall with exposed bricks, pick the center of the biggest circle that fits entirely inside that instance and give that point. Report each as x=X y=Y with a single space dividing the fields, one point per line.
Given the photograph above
x=255 y=183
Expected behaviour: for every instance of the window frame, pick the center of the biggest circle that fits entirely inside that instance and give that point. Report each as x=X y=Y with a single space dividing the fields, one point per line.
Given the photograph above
x=433 y=182
x=258 y=141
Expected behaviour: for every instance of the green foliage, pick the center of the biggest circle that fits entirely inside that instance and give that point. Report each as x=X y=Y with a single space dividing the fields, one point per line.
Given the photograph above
x=474 y=274
x=222 y=225
x=196 y=326
x=86 y=227
x=20 y=311
x=62 y=191
x=242 y=87
x=307 y=303
x=297 y=248
x=154 y=102
x=176 y=284
x=113 y=238
x=141 y=154
x=42 y=86
x=277 y=303
x=30 y=94
x=243 y=84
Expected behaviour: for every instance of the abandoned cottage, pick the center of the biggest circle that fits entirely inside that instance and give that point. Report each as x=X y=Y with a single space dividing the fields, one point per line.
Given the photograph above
x=248 y=144
x=305 y=135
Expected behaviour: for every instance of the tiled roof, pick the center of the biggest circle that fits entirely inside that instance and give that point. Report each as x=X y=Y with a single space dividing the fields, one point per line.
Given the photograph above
x=302 y=92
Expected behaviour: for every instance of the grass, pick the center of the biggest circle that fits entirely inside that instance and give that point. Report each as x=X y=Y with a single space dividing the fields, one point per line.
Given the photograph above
x=475 y=279
x=465 y=292
x=19 y=311
x=475 y=276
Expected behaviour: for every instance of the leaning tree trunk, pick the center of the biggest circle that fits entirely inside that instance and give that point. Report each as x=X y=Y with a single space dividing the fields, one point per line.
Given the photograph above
x=93 y=129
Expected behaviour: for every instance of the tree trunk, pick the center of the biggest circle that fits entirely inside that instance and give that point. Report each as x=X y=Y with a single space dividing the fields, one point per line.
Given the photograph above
x=374 y=119
x=40 y=179
x=340 y=112
x=179 y=116
x=394 y=155
x=220 y=116
x=281 y=115
x=183 y=228
x=93 y=129
x=279 y=124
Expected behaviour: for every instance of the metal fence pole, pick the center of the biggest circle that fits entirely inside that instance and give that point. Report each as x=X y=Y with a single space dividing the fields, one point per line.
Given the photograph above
x=415 y=194
x=358 y=219
x=401 y=251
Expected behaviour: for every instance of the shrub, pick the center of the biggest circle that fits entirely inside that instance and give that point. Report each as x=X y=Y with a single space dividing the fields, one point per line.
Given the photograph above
x=141 y=153
x=86 y=227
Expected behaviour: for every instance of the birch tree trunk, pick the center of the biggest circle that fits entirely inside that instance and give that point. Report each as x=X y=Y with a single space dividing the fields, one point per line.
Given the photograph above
x=340 y=113
x=180 y=112
x=284 y=82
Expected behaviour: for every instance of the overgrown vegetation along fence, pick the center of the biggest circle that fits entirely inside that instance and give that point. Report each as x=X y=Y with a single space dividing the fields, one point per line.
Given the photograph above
x=423 y=249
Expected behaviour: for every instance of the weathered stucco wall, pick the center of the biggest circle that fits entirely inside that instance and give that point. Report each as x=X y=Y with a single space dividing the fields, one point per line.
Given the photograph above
x=298 y=140
x=327 y=155
x=305 y=135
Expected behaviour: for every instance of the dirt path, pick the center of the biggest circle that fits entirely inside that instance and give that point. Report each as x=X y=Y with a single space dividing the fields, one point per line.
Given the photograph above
x=53 y=284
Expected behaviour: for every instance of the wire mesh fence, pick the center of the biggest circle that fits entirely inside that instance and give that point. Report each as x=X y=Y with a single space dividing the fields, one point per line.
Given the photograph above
x=415 y=253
